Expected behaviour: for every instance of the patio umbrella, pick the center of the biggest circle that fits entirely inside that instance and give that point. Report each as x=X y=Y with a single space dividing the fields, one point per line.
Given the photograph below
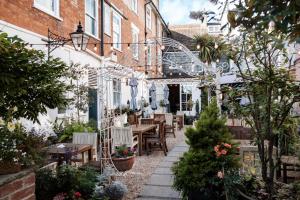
x=166 y=97
x=153 y=97
x=134 y=90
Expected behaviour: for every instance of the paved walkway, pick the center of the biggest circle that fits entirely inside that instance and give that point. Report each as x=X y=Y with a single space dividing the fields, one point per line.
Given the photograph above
x=159 y=186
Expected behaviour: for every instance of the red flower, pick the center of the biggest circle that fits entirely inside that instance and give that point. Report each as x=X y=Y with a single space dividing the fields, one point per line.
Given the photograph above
x=77 y=194
x=227 y=145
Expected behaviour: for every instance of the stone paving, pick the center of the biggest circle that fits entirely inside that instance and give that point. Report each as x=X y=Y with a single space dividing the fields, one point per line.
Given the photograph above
x=159 y=186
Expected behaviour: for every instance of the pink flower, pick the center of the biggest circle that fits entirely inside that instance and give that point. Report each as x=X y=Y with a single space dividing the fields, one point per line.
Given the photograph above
x=220 y=174
x=216 y=148
x=227 y=145
x=224 y=152
x=218 y=154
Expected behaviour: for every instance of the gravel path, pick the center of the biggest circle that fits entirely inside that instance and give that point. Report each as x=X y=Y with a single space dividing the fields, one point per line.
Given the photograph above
x=144 y=166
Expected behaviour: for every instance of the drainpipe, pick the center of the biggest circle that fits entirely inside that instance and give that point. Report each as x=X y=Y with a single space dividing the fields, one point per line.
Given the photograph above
x=145 y=28
x=102 y=28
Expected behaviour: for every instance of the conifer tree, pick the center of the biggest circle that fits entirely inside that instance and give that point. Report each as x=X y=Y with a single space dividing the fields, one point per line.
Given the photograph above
x=200 y=171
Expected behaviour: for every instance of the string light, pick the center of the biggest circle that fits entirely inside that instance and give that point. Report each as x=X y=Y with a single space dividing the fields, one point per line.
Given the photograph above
x=171 y=74
x=179 y=74
x=162 y=47
x=146 y=47
x=111 y=47
x=128 y=46
x=95 y=47
x=180 y=47
x=198 y=46
x=217 y=60
x=216 y=46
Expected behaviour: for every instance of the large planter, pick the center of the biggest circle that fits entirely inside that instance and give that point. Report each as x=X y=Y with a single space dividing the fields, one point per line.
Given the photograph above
x=123 y=164
x=9 y=168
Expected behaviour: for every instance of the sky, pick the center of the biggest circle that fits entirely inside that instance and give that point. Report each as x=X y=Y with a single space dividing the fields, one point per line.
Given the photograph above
x=177 y=11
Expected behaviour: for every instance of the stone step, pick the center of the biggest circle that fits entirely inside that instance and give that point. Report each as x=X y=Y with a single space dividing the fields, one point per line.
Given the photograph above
x=166 y=164
x=159 y=192
x=171 y=159
x=163 y=170
x=161 y=180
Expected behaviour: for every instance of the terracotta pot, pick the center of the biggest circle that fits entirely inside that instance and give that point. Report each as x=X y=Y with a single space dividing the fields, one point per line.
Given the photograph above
x=9 y=168
x=123 y=164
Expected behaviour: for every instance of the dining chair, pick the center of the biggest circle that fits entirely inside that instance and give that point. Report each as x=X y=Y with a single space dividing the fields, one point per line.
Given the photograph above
x=158 y=142
x=123 y=136
x=87 y=138
x=169 y=127
x=159 y=116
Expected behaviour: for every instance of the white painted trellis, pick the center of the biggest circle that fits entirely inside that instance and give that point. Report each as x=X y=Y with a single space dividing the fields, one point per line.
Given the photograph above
x=182 y=60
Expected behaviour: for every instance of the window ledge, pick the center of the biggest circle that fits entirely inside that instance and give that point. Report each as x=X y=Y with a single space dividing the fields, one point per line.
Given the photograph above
x=47 y=12
x=119 y=50
x=93 y=36
x=109 y=35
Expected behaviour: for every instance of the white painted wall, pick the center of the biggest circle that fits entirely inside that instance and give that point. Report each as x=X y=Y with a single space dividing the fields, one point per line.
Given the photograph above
x=67 y=54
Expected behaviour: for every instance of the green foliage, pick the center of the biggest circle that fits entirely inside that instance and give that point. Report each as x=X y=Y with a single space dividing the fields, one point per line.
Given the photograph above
x=64 y=130
x=271 y=92
x=211 y=47
x=79 y=88
x=20 y=146
x=46 y=184
x=67 y=180
x=257 y=14
x=124 y=151
x=28 y=80
x=197 y=170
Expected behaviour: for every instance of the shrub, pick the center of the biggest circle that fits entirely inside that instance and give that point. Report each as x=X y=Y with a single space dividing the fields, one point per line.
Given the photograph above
x=68 y=182
x=201 y=170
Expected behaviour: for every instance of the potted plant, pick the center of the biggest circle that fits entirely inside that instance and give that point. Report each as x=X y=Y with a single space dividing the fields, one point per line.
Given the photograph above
x=162 y=104
x=123 y=158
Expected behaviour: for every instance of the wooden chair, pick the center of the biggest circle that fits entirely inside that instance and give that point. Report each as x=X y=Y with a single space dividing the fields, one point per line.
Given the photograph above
x=123 y=136
x=86 y=138
x=159 y=116
x=158 y=142
x=170 y=127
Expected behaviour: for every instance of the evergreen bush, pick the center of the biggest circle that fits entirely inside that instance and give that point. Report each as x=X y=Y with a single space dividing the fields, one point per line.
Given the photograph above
x=203 y=170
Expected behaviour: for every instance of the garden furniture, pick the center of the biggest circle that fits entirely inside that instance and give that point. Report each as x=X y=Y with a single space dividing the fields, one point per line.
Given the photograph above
x=123 y=136
x=180 y=120
x=141 y=130
x=158 y=142
x=87 y=138
x=66 y=151
x=169 y=127
x=290 y=168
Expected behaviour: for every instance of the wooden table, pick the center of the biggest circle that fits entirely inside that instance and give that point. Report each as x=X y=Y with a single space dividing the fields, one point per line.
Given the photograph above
x=140 y=130
x=69 y=150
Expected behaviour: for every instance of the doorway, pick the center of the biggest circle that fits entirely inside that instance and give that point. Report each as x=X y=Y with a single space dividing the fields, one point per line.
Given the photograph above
x=174 y=97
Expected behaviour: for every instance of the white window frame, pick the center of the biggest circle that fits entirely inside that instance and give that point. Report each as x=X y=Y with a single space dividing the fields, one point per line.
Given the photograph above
x=135 y=46
x=184 y=102
x=107 y=19
x=94 y=17
x=148 y=17
x=134 y=6
x=54 y=13
x=117 y=46
x=117 y=92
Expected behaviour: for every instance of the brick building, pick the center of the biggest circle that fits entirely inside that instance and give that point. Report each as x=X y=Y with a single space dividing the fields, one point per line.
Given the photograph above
x=127 y=25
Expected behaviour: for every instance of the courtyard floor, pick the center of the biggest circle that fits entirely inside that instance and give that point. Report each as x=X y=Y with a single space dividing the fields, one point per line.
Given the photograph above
x=147 y=172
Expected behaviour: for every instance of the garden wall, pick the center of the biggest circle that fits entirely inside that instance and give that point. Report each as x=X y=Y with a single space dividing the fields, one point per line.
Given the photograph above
x=19 y=186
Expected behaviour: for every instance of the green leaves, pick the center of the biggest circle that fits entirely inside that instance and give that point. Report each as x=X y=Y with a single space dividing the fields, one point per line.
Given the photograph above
x=29 y=81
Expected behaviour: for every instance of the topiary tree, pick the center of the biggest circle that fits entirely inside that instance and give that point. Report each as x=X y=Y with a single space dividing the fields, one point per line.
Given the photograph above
x=28 y=80
x=199 y=173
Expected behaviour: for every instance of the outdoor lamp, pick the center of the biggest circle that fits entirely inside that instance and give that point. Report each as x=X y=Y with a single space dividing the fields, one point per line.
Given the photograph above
x=79 y=38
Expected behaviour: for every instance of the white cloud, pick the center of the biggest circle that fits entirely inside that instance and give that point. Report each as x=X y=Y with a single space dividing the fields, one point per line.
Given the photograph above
x=177 y=11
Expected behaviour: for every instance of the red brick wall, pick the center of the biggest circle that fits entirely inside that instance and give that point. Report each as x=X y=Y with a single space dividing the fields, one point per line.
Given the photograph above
x=19 y=189
x=22 y=14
